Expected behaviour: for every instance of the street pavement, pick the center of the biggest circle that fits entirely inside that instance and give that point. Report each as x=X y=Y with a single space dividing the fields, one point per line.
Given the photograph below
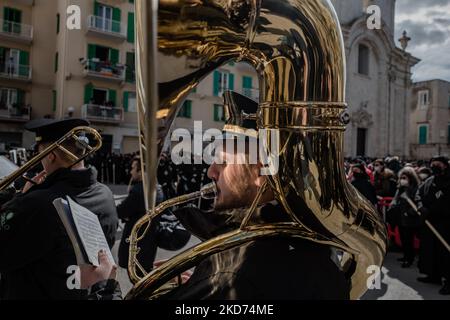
x=396 y=283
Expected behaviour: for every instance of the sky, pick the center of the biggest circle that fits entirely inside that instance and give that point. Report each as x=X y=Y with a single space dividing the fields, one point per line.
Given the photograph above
x=428 y=24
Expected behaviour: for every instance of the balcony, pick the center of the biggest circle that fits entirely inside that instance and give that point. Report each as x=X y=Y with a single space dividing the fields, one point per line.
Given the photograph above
x=15 y=72
x=101 y=70
x=16 y=32
x=102 y=114
x=251 y=93
x=105 y=28
x=15 y=113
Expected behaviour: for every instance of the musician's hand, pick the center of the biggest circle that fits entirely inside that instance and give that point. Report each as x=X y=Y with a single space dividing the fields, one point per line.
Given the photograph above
x=90 y=275
x=38 y=179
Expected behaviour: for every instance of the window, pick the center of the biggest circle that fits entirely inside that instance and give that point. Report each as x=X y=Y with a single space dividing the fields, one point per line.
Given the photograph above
x=186 y=110
x=107 y=18
x=8 y=97
x=129 y=101
x=14 y=62
x=363 y=59
x=424 y=98
x=99 y=96
x=223 y=80
x=423 y=134
x=12 y=20
x=99 y=52
x=219 y=113
x=247 y=86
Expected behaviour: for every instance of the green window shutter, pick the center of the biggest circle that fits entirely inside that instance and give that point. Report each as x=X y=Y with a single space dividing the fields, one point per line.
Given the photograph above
x=112 y=96
x=423 y=133
x=247 y=82
x=24 y=62
x=114 y=56
x=18 y=20
x=2 y=53
x=96 y=8
x=20 y=97
x=130 y=30
x=92 y=48
x=125 y=100
x=54 y=100
x=231 y=81
x=56 y=61
x=216 y=112
x=216 y=83
x=5 y=19
x=130 y=71
x=116 y=20
x=88 y=93
x=189 y=109
x=58 y=22
x=24 y=58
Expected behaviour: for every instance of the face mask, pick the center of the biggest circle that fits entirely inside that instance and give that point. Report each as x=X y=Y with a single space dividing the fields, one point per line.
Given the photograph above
x=423 y=176
x=404 y=182
x=437 y=171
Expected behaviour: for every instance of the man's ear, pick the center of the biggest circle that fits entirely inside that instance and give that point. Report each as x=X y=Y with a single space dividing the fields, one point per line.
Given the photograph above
x=52 y=156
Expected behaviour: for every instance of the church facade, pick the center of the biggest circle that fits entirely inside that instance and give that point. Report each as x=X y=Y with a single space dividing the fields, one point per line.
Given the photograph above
x=378 y=81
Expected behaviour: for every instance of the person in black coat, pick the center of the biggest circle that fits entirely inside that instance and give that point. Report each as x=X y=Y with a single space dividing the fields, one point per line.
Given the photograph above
x=35 y=251
x=433 y=200
x=362 y=183
x=130 y=211
x=405 y=216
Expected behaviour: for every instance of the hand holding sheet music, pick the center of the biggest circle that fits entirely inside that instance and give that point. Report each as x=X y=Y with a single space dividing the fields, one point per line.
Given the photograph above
x=84 y=230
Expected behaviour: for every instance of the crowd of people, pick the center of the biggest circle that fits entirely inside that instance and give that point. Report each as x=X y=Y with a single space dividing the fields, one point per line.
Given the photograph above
x=409 y=194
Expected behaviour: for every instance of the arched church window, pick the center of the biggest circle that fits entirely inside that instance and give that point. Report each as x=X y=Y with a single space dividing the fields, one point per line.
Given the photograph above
x=363 y=59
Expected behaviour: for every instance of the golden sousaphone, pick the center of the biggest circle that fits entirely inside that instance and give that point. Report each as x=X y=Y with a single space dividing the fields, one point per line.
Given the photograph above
x=297 y=50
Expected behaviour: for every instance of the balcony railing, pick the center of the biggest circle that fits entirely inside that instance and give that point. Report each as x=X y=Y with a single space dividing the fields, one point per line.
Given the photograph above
x=251 y=93
x=98 y=113
x=15 y=112
x=110 y=28
x=15 y=71
x=17 y=31
x=104 y=70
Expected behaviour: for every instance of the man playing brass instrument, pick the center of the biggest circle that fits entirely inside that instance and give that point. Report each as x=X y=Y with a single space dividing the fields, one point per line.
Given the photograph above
x=270 y=268
x=35 y=250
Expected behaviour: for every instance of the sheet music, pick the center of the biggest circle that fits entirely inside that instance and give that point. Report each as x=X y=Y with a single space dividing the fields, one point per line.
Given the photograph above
x=90 y=232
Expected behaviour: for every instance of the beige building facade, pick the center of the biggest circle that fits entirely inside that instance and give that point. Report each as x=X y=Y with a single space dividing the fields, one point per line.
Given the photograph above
x=378 y=81
x=58 y=72
x=430 y=119
x=50 y=70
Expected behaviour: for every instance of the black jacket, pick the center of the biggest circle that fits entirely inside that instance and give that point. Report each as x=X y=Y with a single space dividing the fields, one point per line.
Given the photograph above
x=278 y=268
x=364 y=186
x=35 y=250
x=400 y=211
x=130 y=211
x=433 y=201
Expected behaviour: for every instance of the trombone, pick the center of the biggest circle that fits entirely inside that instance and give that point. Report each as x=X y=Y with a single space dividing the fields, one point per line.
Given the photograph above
x=73 y=134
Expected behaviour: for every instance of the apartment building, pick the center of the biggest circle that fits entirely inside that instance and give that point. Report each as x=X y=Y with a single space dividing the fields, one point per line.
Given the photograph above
x=48 y=70
x=430 y=119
